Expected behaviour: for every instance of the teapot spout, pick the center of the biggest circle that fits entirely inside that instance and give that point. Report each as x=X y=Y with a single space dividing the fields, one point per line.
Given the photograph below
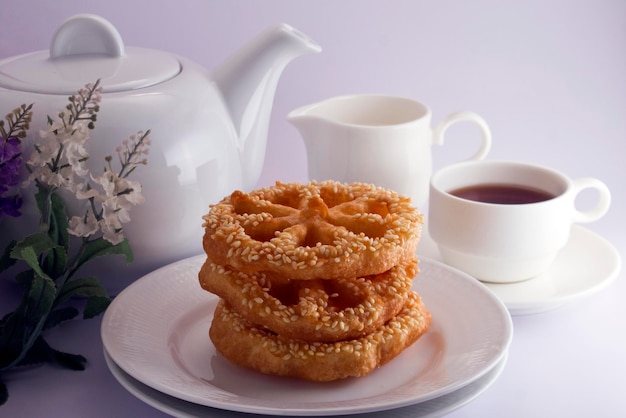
x=247 y=82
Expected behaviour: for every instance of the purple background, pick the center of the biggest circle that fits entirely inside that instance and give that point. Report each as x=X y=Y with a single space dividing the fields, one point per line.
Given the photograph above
x=547 y=76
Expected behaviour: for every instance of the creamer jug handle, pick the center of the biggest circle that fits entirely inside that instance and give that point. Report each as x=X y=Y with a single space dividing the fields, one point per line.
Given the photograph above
x=464 y=116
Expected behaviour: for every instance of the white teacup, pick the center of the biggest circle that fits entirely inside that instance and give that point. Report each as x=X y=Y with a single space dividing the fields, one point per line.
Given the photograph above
x=377 y=139
x=506 y=242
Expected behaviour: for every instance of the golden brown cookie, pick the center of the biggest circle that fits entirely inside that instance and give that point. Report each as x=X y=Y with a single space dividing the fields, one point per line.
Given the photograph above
x=312 y=310
x=313 y=231
x=257 y=348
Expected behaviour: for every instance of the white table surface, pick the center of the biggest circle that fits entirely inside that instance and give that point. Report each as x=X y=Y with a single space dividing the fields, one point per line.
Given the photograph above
x=564 y=362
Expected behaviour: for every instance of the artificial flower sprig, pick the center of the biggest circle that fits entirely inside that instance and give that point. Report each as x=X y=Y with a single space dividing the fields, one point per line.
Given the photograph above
x=11 y=134
x=58 y=167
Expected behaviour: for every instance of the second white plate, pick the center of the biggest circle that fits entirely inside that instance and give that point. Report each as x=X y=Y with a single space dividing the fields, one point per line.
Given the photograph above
x=156 y=330
x=434 y=408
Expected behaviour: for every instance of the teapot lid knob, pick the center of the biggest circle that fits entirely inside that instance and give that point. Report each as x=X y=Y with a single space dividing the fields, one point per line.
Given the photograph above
x=86 y=34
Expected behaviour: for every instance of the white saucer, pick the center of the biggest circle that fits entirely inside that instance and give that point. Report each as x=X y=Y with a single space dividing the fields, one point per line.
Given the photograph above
x=588 y=264
x=156 y=331
x=429 y=409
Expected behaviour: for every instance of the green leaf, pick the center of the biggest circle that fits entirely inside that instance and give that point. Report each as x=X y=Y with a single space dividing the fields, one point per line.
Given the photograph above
x=100 y=247
x=25 y=277
x=98 y=298
x=35 y=304
x=29 y=255
x=89 y=287
x=11 y=337
x=22 y=328
x=29 y=249
x=39 y=301
x=70 y=361
x=54 y=217
x=40 y=352
x=59 y=222
x=56 y=261
x=39 y=242
x=59 y=315
x=95 y=306
x=6 y=261
x=10 y=348
x=43 y=197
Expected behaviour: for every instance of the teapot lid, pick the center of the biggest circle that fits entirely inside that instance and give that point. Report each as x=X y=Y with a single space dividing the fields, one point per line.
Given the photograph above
x=86 y=48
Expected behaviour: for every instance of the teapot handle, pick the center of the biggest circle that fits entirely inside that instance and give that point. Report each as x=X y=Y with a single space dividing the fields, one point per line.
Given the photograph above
x=86 y=34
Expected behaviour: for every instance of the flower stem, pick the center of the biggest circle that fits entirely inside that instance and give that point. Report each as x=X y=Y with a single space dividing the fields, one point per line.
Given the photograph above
x=46 y=206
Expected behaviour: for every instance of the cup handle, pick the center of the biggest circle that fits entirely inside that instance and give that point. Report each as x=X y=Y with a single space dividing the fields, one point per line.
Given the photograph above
x=440 y=129
x=604 y=201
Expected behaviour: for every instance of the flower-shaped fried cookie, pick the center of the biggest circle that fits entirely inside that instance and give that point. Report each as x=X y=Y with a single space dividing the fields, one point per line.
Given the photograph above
x=318 y=230
x=255 y=347
x=313 y=310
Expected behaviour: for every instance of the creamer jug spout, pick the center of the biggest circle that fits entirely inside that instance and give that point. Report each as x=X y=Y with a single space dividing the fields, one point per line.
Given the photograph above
x=247 y=82
x=324 y=130
x=308 y=122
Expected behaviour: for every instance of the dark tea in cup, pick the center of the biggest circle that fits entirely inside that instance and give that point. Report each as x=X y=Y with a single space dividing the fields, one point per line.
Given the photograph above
x=503 y=194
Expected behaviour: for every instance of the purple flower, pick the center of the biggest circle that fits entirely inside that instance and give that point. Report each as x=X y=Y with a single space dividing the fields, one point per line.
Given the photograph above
x=10 y=164
x=10 y=206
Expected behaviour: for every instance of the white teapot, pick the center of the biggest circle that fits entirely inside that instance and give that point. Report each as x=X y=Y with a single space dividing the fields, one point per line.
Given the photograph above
x=208 y=129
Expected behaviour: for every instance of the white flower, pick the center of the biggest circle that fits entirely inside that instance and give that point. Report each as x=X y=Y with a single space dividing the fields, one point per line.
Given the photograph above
x=111 y=229
x=107 y=182
x=129 y=191
x=114 y=212
x=60 y=159
x=43 y=154
x=56 y=126
x=83 y=226
x=77 y=156
x=87 y=193
x=80 y=132
x=120 y=195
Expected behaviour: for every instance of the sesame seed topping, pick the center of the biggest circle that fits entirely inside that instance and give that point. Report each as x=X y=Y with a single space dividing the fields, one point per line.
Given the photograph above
x=277 y=221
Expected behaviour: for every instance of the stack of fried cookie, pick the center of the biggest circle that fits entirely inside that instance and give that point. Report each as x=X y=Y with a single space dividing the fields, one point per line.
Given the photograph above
x=314 y=280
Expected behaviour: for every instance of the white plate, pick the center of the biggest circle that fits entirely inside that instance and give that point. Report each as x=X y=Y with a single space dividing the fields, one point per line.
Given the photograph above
x=586 y=265
x=437 y=407
x=156 y=331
